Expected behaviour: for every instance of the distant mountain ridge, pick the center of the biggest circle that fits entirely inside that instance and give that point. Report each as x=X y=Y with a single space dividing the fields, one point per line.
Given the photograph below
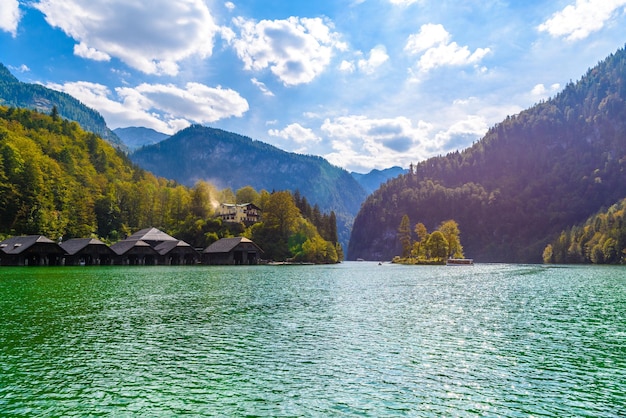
x=532 y=176
x=137 y=137
x=14 y=93
x=230 y=160
x=373 y=180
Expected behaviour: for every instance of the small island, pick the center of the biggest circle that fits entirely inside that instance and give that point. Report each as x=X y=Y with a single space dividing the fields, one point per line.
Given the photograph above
x=434 y=248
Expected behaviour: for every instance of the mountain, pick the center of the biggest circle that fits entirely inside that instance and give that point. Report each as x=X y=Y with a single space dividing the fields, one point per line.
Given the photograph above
x=61 y=181
x=15 y=93
x=372 y=180
x=137 y=137
x=230 y=160
x=531 y=176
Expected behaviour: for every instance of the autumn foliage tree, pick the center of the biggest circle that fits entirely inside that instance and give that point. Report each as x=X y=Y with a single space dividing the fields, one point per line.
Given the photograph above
x=429 y=248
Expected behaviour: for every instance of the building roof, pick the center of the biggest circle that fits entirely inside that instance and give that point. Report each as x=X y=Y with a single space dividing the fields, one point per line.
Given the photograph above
x=122 y=247
x=150 y=234
x=168 y=246
x=17 y=245
x=226 y=245
x=74 y=245
x=240 y=205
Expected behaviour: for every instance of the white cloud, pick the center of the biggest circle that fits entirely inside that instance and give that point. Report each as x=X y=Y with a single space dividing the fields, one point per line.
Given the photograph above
x=363 y=143
x=22 y=68
x=578 y=21
x=460 y=134
x=296 y=133
x=230 y=5
x=430 y=35
x=378 y=56
x=164 y=107
x=262 y=87
x=433 y=43
x=84 y=51
x=149 y=36
x=296 y=50
x=9 y=16
x=540 y=90
x=346 y=66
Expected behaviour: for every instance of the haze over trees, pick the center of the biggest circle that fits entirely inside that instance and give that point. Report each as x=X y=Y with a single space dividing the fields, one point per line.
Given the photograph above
x=532 y=176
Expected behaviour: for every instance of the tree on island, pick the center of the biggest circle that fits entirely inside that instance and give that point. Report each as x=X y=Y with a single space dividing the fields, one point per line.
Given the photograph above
x=429 y=248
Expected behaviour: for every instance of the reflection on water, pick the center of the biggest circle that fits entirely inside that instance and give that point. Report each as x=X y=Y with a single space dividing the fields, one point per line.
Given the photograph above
x=350 y=339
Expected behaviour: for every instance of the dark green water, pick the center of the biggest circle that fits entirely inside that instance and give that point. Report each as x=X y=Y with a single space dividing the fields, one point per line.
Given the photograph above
x=355 y=339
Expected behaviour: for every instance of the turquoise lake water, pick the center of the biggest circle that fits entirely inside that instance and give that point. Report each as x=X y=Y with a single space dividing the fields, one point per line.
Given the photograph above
x=355 y=339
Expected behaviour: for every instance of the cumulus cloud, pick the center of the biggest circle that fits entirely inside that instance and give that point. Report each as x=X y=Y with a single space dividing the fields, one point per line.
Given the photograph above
x=433 y=44
x=346 y=66
x=577 y=21
x=229 y=5
x=378 y=56
x=296 y=50
x=9 y=16
x=460 y=134
x=296 y=133
x=84 y=51
x=541 y=91
x=359 y=141
x=149 y=36
x=163 y=107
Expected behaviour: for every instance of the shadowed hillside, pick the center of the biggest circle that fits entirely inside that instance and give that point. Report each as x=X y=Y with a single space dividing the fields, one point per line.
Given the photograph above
x=530 y=177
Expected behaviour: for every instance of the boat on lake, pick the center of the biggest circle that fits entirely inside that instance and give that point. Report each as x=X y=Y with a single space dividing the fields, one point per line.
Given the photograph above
x=460 y=262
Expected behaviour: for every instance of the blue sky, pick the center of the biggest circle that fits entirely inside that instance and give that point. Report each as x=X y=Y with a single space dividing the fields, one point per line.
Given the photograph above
x=364 y=83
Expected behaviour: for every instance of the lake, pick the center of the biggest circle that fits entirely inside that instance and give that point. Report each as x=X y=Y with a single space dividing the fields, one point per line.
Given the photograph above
x=355 y=339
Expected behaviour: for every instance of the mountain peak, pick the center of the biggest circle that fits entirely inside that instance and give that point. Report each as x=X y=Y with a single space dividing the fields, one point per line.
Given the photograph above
x=6 y=76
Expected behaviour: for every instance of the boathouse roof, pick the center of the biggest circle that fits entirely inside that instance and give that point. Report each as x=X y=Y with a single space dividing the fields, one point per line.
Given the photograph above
x=150 y=234
x=226 y=245
x=167 y=246
x=17 y=245
x=122 y=247
x=74 y=245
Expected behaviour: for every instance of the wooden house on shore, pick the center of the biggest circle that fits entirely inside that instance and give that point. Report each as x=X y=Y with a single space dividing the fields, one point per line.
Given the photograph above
x=151 y=246
x=227 y=251
x=30 y=250
x=87 y=252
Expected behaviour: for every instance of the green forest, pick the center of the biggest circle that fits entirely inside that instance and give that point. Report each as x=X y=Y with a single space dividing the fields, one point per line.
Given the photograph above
x=428 y=248
x=532 y=176
x=600 y=240
x=62 y=182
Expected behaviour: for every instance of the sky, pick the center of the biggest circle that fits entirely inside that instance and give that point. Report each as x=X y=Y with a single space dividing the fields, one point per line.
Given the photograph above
x=366 y=84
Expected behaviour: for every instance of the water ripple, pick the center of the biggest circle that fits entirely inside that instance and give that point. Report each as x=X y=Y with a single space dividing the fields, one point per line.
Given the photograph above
x=350 y=340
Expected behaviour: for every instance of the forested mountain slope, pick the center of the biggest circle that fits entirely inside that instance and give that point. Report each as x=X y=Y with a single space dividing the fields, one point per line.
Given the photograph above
x=230 y=160
x=14 y=93
x=531 y=176
x=63 y=182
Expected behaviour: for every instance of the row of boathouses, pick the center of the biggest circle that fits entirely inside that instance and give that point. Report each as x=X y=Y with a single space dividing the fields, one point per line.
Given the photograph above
x=148 y=246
